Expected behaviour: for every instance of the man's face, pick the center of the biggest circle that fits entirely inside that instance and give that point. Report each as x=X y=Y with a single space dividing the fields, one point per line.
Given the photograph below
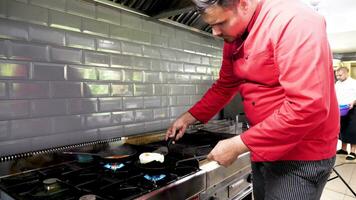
x=341 y=75
x=226 y=22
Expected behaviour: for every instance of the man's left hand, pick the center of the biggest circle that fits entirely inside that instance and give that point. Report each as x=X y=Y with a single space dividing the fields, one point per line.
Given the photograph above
x=227 y=151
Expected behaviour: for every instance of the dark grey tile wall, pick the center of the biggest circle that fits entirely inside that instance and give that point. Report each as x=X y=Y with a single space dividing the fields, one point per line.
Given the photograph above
x=72 y=71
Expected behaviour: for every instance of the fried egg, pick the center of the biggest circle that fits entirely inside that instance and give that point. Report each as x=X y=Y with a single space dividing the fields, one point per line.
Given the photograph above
x=148 y=157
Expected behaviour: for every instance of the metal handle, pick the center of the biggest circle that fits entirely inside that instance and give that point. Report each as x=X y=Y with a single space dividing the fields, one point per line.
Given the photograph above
x=80 y=153
x=192 y=158
x=237 y=184
x=119 y=156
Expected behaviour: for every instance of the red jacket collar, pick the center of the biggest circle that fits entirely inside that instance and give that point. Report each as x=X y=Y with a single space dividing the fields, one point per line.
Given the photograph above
x=255 y=15
x=239 y=41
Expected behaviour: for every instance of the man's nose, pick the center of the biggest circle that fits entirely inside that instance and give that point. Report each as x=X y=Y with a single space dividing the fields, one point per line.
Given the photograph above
x=216 y=31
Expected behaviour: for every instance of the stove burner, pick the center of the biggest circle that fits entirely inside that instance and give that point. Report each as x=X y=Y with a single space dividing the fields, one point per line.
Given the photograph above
x=154 y=178
x=51 y=184
x=114 y=166
x=52 y=188
x=88 y=197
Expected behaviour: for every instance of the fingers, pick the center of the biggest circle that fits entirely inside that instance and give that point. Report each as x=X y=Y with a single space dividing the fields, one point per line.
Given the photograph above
x=181 y=132
x=179 y=126
x=174 y=132
x=168 y=133
x=224 y=152
x=171 y=132
x=210 y=157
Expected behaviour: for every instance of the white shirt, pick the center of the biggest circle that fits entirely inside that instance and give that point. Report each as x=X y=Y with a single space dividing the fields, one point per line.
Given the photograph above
x=346 y=91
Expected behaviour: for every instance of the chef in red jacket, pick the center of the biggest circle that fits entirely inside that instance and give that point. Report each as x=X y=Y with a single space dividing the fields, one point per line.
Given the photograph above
x=276 y=54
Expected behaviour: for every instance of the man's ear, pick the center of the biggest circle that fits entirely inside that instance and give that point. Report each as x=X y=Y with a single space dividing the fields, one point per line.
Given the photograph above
x=244 y=5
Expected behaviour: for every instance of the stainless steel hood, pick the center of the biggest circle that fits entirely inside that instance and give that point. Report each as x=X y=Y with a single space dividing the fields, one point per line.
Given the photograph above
x=345 y=56
x=157 y=8
x=182 y=13
x=177 y=12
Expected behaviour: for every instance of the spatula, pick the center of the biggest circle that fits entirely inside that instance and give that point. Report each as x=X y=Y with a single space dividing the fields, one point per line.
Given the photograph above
x=165 y=149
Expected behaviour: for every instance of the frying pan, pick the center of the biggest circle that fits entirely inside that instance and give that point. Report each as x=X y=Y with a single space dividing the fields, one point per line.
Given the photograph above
x=155 y=167
x=120 y=153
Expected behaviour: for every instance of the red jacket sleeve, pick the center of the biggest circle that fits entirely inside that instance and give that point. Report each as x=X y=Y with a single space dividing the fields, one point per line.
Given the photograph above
x=220 y=93
x=303 y=58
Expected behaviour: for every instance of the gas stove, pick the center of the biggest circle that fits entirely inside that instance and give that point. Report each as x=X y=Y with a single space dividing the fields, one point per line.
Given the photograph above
x=59 y=176
x=73 y=180
x=83 y=175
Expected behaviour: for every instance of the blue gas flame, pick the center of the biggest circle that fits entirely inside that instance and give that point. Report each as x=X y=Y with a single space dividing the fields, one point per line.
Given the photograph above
x=114 y=166
x=155 y=178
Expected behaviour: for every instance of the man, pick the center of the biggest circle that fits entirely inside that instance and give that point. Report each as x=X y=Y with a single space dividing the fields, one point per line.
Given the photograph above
x=276 y=54
x=346 y=95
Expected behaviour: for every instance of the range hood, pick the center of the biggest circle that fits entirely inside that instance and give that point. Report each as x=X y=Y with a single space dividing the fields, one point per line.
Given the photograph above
x=345 y=56
x=177 y=12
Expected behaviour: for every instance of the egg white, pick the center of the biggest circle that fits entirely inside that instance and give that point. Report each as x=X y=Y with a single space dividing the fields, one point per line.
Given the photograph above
x=148 y=157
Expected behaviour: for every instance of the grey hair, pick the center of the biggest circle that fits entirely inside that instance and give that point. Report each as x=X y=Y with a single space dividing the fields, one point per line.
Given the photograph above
x=202 y=5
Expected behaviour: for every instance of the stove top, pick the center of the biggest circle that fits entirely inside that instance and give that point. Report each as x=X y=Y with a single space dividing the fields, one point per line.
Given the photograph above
x=74 y=180
x=106 y=180
x=58 y=176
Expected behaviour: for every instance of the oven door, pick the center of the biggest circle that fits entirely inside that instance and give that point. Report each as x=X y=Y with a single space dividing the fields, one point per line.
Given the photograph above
x=241 y=189
x=235 y=187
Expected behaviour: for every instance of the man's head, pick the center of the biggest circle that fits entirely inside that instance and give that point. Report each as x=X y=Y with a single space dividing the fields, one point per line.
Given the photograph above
x=342 y=73
x=228 y=18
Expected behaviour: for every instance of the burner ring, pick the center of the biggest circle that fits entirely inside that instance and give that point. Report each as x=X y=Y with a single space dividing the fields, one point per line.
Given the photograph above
x=88 y=197
x=51 y=184
x=50 y=181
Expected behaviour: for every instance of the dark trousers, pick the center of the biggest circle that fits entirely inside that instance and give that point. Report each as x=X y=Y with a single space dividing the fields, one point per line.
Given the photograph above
x=290 y=180
x=348 y=127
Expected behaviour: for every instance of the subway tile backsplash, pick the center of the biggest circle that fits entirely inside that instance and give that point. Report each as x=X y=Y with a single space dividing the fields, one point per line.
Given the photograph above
x=27 y=51
x=46 y=35
x=74 y=71
x=62 y=89
x=30 y=13
x=13 y=29
x=55 y=5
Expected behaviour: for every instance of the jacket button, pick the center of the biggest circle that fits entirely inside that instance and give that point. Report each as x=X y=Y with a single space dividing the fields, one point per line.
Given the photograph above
x=253 y=103
x=246 y=57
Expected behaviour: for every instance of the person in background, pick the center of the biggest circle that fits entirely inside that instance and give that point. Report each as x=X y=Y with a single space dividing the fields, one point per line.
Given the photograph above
x=276 y=55
x=346 y=95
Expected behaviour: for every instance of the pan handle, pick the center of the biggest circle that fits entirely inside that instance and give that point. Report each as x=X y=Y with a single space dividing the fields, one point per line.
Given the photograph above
x=192 y=158
x=97 y=155
x=80 y=153
x=171 y=141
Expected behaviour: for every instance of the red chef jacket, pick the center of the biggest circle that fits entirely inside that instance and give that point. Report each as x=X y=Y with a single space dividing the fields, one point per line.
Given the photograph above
x=283 y=71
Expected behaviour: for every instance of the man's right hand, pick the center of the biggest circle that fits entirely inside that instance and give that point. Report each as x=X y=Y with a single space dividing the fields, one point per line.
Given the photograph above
x=178 y=127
